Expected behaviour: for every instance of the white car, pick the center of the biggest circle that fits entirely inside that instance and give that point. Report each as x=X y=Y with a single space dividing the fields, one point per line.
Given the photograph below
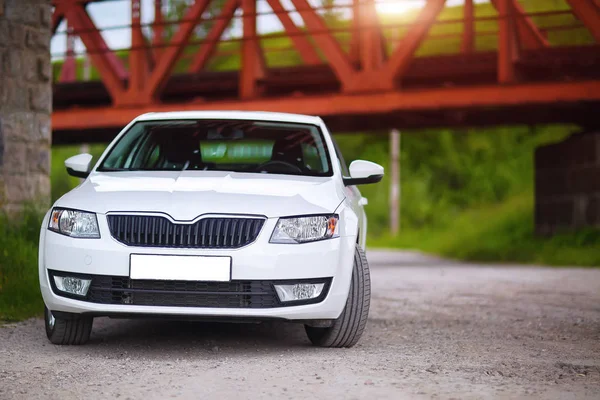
x=231 y=216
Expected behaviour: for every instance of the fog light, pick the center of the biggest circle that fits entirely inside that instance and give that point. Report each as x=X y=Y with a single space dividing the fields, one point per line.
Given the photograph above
x=299 y=291
x=69 y=284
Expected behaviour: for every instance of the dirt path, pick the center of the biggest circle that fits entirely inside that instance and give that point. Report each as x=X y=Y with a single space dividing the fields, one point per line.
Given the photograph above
x=436 y=330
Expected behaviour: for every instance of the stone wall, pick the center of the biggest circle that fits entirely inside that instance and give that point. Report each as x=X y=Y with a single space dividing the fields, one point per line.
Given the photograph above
x=25 y=102
x=567 y=184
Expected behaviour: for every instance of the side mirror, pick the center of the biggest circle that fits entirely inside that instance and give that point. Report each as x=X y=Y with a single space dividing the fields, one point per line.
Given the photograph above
x=362 y=172
x=79 y=165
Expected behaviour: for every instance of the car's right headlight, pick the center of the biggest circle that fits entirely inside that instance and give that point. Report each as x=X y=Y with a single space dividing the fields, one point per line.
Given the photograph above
x=304 y=229
x=74 y=223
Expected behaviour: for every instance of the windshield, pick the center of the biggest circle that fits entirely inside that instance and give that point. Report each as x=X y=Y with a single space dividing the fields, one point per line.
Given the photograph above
x=221 y=145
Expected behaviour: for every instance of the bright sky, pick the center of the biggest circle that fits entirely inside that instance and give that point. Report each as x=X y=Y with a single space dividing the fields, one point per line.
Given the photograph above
x=118 y=13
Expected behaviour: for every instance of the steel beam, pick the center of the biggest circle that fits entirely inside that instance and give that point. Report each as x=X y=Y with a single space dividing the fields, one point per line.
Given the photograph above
x=138 y=65
x=299 y=38
x=507 y=42
x=401 y=58
x=141 y=59
x=354 y=51
x=108 y=65
x=467 y=45
x=57 y=16
x=372 y=52
x=366 y=104
x=253 y=64
x=588 y=13
x=330 y=47
x=60 y=8
x=166 y=63
x=530 y=35
x=207 y=49
x=68 y=71
x=158 y=29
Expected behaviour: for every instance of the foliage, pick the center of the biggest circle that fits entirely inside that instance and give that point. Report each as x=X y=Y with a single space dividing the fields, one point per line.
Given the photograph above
x=176 y=11
x=445 y=172
x=19 y=286
x=468 y=194
x=500 y=232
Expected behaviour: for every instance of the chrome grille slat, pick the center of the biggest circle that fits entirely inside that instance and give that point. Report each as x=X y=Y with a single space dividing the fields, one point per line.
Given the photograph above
x=209 y=232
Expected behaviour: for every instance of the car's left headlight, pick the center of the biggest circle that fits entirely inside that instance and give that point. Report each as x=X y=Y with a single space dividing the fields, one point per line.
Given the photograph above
x=74 y=223
x=304 y=229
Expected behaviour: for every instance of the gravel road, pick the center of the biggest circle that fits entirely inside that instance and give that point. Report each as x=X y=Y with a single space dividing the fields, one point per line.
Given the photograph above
x=437 y=329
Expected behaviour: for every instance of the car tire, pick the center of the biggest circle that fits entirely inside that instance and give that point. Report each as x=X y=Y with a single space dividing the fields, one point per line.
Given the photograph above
x=73 y=330
x=349 y=327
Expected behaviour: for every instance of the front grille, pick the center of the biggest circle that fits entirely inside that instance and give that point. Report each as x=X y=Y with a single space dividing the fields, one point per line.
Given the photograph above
x=235 y=294
x=206 y=233
x=105 y=289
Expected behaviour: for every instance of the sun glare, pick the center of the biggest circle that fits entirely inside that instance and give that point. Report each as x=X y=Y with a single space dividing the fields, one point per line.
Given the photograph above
x=395 y=7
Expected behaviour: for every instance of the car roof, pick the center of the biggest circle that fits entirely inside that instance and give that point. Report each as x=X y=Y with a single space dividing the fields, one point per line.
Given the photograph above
x=244 y=115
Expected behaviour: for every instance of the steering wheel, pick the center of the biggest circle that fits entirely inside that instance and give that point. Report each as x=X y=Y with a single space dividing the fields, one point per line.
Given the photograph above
x=285 y=165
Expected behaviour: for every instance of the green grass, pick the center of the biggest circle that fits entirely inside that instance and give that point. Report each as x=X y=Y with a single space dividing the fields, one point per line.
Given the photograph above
x=19 y=286
x=499 y=233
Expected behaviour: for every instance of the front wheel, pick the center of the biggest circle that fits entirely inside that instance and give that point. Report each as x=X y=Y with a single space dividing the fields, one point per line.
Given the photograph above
x=72 y=329
x=348 y=328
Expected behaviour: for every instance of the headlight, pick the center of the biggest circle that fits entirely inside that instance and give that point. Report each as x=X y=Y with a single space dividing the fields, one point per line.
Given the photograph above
x=305 y=229
x=78 y=224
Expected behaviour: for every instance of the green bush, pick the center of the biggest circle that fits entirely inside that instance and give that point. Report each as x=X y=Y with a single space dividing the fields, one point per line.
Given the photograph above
x=500 y=232
x=19 y=236
x=19 y=286
x=446 y=172
x=467 y=194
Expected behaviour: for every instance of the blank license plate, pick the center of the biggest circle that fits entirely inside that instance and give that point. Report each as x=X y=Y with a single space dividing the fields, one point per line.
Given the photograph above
x=180 y=268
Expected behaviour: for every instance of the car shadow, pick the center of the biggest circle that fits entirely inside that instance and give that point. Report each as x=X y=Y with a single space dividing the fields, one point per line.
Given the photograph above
x=154 y=338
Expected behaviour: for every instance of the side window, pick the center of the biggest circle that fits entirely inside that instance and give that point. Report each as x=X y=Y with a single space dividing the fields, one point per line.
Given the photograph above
x=340 y=158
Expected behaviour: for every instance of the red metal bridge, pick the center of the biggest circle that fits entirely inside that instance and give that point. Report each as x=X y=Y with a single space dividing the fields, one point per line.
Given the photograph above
x=365 y=70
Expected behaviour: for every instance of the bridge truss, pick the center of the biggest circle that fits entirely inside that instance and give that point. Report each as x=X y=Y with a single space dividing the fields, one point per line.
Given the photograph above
x=364 y=70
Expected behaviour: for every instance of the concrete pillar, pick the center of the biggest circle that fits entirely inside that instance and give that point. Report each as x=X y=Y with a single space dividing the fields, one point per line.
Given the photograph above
x=25 y=102
x=567 y=184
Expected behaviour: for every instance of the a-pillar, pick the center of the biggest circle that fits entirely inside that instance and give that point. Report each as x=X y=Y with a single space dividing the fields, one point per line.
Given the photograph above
x=25 y=103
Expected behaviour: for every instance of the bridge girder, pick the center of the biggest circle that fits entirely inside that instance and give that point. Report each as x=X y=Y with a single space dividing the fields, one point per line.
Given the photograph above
x=373 y=74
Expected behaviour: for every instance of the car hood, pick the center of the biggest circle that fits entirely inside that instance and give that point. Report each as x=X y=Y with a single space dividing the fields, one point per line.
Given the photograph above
x=188 y=194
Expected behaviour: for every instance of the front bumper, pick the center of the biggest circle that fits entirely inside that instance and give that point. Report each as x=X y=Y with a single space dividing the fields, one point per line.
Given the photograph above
x=260 y=261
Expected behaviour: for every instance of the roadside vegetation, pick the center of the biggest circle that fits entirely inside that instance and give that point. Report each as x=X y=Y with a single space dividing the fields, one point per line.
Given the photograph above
x=19 y=286
x=468 y=195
